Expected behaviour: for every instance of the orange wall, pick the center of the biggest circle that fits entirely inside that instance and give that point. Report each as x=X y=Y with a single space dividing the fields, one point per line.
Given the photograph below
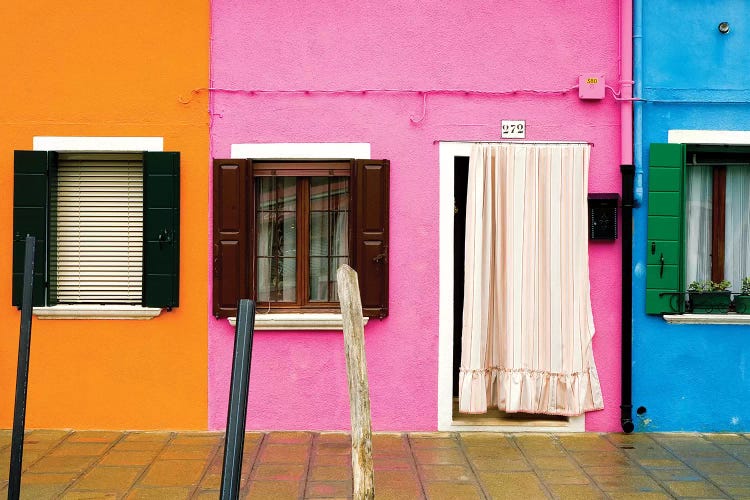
x=110 y=68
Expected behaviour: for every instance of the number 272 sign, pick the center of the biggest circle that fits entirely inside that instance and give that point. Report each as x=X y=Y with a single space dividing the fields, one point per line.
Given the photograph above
x=513 y=129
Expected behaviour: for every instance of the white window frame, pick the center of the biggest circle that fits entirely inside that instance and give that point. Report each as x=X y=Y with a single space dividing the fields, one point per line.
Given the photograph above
x=447 y=153
x=735 y=138
x=290 y=150
x=83 y=143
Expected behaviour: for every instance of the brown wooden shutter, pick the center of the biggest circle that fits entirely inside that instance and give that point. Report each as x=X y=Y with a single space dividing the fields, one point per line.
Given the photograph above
x=370 y=259
x=233 y=221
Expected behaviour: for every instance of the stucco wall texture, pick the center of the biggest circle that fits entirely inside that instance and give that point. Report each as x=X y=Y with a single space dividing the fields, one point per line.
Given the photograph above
x=298 y=379
x=109 y=69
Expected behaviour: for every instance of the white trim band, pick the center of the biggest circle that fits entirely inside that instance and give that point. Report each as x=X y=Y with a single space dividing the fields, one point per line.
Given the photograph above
x=94 y=311
x=708 y=319
x=301 y=321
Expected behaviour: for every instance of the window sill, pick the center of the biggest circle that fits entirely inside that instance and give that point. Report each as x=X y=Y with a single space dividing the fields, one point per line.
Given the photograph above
x=93 y=311
x=299 y=321
x=708 y=319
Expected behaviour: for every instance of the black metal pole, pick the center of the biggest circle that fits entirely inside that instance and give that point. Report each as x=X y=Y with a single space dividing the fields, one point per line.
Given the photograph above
x=234 y=441
x=626 y=395
x=22 y=373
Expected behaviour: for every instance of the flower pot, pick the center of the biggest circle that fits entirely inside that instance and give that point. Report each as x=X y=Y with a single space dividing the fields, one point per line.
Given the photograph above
x=742 y=304
x=710 y=302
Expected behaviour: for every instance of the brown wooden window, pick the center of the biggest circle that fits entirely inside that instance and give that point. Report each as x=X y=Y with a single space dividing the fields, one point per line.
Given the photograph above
x=283 y=227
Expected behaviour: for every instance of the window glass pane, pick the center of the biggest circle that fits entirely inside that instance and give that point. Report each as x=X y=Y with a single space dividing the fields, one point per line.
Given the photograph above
x=276 y=239
x=698 y=221
x=276 y=234
x=319 y=279
x=319 y=234
x=277 y=193
x=737 y=235
x=329 y=234
x=277 y=280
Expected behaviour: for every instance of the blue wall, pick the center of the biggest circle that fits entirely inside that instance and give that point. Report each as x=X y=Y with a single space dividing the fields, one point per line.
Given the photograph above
x=689 y=377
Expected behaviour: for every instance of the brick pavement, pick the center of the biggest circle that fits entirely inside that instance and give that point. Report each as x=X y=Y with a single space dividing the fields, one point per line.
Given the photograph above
x=295 y=465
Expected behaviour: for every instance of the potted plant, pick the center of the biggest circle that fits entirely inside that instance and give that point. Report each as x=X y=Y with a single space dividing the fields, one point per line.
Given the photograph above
x=709 y=296
x=742 y=301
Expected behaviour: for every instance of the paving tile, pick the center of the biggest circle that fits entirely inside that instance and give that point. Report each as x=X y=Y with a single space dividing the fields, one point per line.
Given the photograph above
x=279 y=472
x=389 y=444
x=90 y=495
x=147 y=437
x=280 y=490
x=334 y=437
x=297 y=437
x=46 y=478
x=576 y=492
x=720 y=467
x=62 y=464
x=512 y=485
x=726 y=438
x=330 y=489
x=333 y=449
x=651 y=495
x=187 y=452
x=627 y=483
x=620 y=470
x=661 y=463
x=285 y=453
x=563 y=477
x=37 y=491
x=427 y=443
x=173 y=473
x=330 y=473
x=114 y=458
x=392 y=463
x=439 y=456
x=79 y=449
x=430 y=473
x=676 y=474
x=198 y=439
x=491 y=439
x=701 y=489
x=211 y=481
x=108 y=479
x=486 y=451
x=730 y=479
x=586 y=442
x=734 y=491
x=340 y=460
x=451 y=491
x=600 y=459
x=207 y=494
x=553 y=463
x=94 y=437
x=500 y=464
x=173 y=493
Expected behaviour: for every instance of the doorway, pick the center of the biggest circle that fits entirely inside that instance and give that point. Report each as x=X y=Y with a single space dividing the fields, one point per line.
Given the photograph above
x=454 y=176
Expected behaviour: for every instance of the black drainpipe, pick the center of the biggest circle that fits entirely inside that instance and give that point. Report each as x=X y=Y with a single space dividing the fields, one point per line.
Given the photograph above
x=626 y=397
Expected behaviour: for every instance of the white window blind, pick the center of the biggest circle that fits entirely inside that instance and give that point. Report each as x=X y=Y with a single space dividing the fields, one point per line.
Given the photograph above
x=96 y=229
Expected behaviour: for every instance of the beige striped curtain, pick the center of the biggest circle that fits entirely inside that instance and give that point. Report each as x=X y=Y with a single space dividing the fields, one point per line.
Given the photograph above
x=527 y=323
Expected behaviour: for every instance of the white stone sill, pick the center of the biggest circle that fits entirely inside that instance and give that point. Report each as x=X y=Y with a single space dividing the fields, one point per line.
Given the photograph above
x=297 y=321
x=708 y=319
x=94 y=311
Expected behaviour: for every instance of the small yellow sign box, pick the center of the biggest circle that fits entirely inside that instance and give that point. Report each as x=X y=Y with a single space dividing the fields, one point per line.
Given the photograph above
x=591 y=86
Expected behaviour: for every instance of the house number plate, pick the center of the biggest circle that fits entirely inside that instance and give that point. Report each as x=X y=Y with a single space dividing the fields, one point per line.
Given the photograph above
x=513 y=129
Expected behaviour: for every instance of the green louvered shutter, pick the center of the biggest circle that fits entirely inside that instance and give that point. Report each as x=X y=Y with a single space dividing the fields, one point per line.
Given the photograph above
x=664 y=260
x=30 y=212
x=161 y=229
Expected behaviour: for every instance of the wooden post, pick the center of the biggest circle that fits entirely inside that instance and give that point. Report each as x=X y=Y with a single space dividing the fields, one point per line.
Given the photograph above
x=359 y=390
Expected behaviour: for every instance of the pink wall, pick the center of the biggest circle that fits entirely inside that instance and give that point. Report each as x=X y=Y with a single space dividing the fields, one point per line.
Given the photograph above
x=298 y=379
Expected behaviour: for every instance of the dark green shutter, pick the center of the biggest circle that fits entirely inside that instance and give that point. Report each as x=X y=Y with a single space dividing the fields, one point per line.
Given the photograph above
x=664 y=260
x=161 y=229
x=370 y=234
x=30 y=214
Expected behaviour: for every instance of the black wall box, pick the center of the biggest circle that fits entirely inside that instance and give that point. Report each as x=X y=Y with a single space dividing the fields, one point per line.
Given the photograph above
x=603 y=216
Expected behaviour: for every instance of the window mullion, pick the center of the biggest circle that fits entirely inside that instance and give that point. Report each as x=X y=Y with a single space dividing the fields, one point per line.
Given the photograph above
x=303 y=239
